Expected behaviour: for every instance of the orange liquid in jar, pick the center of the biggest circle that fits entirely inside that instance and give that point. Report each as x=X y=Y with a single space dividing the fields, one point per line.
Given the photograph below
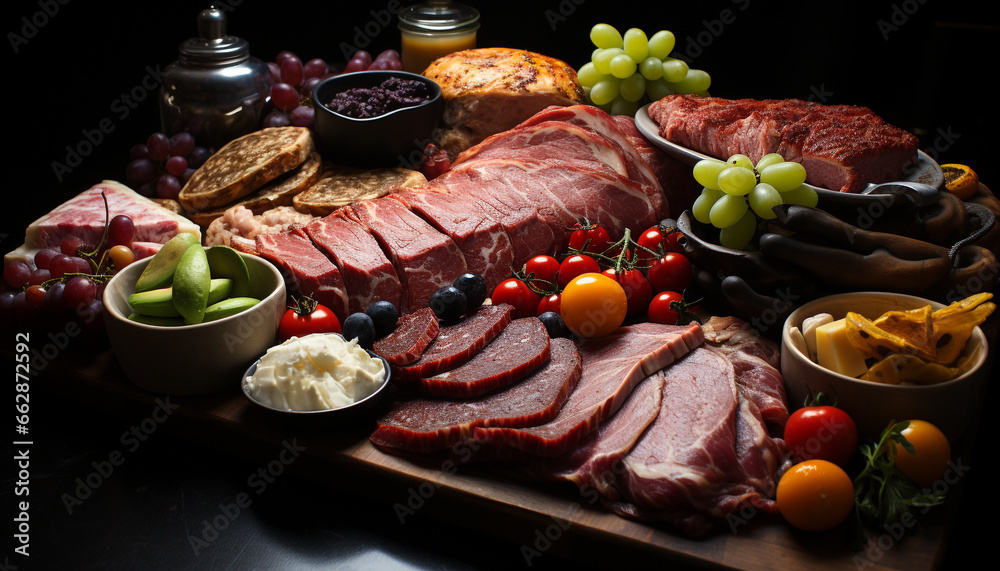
x=419 y=50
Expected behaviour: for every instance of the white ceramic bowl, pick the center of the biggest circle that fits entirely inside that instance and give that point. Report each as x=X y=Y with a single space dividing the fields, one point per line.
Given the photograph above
x=949 y=405
x=194 y=359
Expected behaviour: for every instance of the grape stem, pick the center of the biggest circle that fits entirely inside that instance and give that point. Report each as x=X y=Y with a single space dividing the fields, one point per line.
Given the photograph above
x=89 y=256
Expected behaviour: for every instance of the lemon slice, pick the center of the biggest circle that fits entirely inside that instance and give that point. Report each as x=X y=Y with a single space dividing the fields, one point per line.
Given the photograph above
x=960 y=180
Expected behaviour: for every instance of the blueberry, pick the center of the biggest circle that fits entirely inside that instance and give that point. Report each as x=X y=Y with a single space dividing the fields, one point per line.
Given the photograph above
x=361 y=327
x=474 y=287
x=448 y=303
x=384 y=315
x=554 y=324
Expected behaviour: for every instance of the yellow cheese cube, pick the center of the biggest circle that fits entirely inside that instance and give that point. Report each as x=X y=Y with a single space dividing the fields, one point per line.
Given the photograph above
x=835 y=352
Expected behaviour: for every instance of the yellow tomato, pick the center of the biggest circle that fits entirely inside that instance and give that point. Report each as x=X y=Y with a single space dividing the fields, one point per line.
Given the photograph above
x=932 y=453
x=815 y=495
x=593 y=305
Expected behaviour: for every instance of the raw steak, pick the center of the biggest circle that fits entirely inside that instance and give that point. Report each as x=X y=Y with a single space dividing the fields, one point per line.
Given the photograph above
x=483 y=240
x=368 y=274
x=519 y=349
x=84 y=216
x=455 y=344
x=407 y=342
x=424 y=425
x=612 y=366
x=687 y=468
x=843 y=147
x=306 y=270
x=756 y=360
x=424 y=258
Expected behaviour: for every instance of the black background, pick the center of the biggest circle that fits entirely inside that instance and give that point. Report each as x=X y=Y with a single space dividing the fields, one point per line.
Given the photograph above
x=927 y=67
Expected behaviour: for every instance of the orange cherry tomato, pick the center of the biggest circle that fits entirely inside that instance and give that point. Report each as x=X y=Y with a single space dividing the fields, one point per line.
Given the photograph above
x=593 y=305
x=932 y=453
x=815 y=495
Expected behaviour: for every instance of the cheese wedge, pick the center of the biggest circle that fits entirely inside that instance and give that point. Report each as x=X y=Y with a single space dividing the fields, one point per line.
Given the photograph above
x=835 y=352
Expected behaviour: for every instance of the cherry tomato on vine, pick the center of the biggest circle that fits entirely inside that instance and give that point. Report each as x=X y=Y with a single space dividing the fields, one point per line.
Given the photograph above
x=306 y=317
x=651 y=239
x=932 y=452
x=550 y=302
x=815 y=495
x=672 y=272
x=595 y=238
x=545 y=268
x=660 y=311
x=575 y=265
x=518 y=294
x=822 y=432
x=593 y=305
x=636 y=286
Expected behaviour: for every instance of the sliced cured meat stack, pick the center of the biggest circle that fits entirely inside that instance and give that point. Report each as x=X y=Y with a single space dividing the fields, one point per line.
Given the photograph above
x=482 y=239
x=424 y=258
x=368 y=274
x=612 y=366
x=592 y=464
x=687 y=469
x=756 y=360
x=426 y=425
x=413 y=333
x=456 y=343
x=519 y=349
x=843 y=147
x=307 y=270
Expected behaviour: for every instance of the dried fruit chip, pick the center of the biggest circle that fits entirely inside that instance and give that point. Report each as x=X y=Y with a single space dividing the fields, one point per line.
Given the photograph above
x=960 y=180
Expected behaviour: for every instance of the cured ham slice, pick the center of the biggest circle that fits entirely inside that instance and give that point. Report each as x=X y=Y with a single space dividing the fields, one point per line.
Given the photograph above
x=426 y=425
x=308 y=271
x=612 y=366
x=690 y=467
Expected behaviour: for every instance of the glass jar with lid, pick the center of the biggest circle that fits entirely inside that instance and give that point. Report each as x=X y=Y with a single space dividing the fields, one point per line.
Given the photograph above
x=215 y=90
x=433 y=29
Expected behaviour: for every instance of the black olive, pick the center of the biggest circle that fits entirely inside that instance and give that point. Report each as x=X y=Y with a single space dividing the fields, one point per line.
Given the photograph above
x=384 y=315
x=474 y=287
x=448 y=303
x=361 y=327
x=554 y=324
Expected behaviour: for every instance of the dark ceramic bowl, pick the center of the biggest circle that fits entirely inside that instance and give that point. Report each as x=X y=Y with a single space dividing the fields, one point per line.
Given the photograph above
x=395 y=139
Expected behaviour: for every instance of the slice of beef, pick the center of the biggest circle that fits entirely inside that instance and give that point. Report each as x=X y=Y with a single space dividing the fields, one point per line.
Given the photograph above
x=612 y=366
x=483 y=240
x=756 y=360
x=519 y=349
x=456 y=343
x=425 y=425
x=307 y=271
x=592 y=465
x=368 y=274
x=424 y=258
x=414 y=331
x=687 y=469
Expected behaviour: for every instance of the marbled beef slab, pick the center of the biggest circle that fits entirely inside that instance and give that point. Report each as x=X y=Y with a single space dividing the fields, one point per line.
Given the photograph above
x=306 y=270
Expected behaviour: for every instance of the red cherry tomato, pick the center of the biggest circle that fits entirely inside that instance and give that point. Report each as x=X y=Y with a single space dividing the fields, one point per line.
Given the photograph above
x=593 y=238
x=822 y=432
x=518 y=294
x=575 y=265
x=306 y=317
x=545 y=269
x=636 y=286
x=549 y=303
x=651 y=239
x=660 y=310
x=672 y=272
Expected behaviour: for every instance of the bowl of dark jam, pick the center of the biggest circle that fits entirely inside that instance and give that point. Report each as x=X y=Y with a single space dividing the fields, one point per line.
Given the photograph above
x=376 y=118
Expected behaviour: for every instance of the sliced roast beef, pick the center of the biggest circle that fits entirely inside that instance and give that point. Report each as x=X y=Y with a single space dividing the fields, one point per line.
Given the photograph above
x=413 y=333
x=424 y=258
x=519 y=349
x=368 y=274
x=612 y=366
x=307 y=270
x=456 y=343
x=425 y=425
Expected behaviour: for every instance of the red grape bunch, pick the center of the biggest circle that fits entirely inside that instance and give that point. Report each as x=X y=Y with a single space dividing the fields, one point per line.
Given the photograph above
x=291 y=90
x=160 y=167
x=362 y=61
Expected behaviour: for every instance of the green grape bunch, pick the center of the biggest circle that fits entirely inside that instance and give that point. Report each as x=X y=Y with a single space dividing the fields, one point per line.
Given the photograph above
x=627 y=71
x=738 y=195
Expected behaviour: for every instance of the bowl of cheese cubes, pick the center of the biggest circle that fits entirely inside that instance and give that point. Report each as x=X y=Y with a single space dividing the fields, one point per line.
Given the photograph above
x=888 y=356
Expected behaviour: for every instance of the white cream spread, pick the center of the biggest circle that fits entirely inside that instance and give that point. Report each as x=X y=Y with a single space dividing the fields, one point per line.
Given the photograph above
x=316 y=372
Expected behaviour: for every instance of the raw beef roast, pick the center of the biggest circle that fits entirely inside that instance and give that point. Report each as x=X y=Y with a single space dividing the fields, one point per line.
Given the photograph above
x=843 y=147
x=306 y=270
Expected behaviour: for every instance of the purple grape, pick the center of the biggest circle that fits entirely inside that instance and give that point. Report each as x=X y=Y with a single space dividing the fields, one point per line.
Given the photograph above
x=275 y=72
x=363 y=56
x=282 y=55
x=176 y=165
x=44 y=257
x=309 y=85
x=159 y=147
x=302 y=116
x=187 y=175
x=316 y=68
x=148 y=189
x=60 y=265
x=80 y=291
x=277 y=118
x=181 y=144
x=121 y=230
x=167 y=186
x=198 y=157
x=54 y=302
x=7 y=304
x=284 y=96
x=16 y=274
x=138 y=151
x=71 y=244
x=82 y=265
x=39 y=275
x=291 y=70
x=141 y=171
x=356 y=64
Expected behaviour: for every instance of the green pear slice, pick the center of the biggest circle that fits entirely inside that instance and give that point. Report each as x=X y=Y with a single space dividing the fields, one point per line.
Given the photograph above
x=192 y=283
x=228 y=307
x=159 y=273
x=226 y=262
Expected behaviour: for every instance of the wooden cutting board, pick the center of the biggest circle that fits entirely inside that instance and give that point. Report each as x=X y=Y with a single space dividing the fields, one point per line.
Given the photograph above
x=539 y=517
